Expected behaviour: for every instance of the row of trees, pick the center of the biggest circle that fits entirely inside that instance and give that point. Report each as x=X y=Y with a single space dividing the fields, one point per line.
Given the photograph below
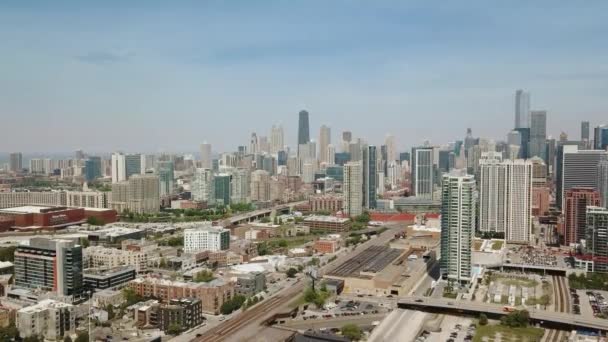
x=317 y=297
x=591 y=281
x=232 y=305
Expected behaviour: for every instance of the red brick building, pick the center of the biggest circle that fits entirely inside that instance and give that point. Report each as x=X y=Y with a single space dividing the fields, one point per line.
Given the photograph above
x=104 y=215
x=41 y=217
x=540 y=200
x=327 y=203
x=575 y=212
x=326 y=246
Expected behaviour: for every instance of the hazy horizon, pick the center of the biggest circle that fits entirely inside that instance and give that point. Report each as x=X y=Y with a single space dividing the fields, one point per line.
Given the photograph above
x=146 y=76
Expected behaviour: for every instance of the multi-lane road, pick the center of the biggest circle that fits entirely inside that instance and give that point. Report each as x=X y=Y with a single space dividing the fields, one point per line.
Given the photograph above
x=476 y=307
x=247 y=323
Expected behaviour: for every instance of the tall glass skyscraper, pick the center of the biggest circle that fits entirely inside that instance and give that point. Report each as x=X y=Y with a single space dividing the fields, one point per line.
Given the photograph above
x=538 y=134
x=522 y=109
x=303 y=128
x=369 y=177
x=458 y=207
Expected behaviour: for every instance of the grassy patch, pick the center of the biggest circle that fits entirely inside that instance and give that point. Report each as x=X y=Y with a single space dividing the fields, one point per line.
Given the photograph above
x=517 y=281
x=504 y=299
x=451 y=295
x=497 y=245
x=508 y=334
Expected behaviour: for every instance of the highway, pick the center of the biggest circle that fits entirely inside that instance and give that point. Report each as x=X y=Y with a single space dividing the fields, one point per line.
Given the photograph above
x=475 y=308
x=246 y=216
x=247 y=323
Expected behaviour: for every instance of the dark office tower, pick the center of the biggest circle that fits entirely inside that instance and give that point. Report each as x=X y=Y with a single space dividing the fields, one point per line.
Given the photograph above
x=303 y=128
x=404 y=156
x=384 y=158
x=600 y=137
x=522 y=109
x=342 y=158
x=281 y=157
x=585 y=130
x=538 y=134
x=50 y=265
x=524 y=151
x=469 y=141
x=132 y=165
x=444 y=160
x=16 y=162
x=92 y=168
x=576 y=168
x=369 y=176
x=347 y=136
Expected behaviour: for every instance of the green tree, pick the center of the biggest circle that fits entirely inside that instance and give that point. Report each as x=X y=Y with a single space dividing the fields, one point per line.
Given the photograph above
x=516 y=319
x=291 y=272
x=9 y=333
x=544 y=300
x=33 y=338
x=174 y=329
x=67 y=338
x=282 y=243
x=84 y=242
x=204 y=276
x=82 y=337
x=94 y=221
x=162 y=263
x=7 y=253
x=483 y=319
x=352 y=332
x=262 y=248
x=131 y=297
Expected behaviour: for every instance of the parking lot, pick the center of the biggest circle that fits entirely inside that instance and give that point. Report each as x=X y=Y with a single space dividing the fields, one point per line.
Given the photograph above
x=341 y=308
x=454 y=329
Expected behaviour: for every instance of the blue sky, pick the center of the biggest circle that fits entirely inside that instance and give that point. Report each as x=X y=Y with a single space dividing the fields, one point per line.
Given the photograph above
x=165 y=76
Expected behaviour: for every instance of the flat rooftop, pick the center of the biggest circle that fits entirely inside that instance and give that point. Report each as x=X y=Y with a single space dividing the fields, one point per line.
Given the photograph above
x=332 y=219
x=372 y=260
x=26 y=209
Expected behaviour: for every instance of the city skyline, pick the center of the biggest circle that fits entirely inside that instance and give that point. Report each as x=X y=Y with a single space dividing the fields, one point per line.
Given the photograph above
x=373 y=70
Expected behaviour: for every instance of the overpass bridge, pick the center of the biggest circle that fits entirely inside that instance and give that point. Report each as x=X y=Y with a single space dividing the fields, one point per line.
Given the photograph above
x=547 y=318
x=260 y=213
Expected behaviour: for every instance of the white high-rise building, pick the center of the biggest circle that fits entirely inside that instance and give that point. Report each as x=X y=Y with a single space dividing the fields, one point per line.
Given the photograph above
x=308 y=172
x=394 y=171
x=331 y=155
x=239 y=186
x=505 y=198
x=206 y=238
x=276 y=139
x=391 y=147
x=206 y=158
x=254 y=145
x=423 y=172
x=263 y=144
x=458 y=208
x=353 y=188
x=203 y=188
x=602 y=181
x=119 y=167
x=324 y=141
x=380 y=179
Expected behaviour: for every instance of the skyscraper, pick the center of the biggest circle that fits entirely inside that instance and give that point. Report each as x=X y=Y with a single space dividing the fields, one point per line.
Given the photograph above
x=458 y=209
x=324 y=141
x=239 y=186
x=347 y=137
x=133 y=165
x=203 y=187
x=15 y=162
x=118 y=167
x=602 y=181
x=576 y=168
x=92 y=168
x=505 y=198
x=596 y=237
x=538 y=134
x=260 y=186
x=166 y=176
x=600 y=137
x=585 y=133
x=276 y=139
x=331 y=155
x=423 y=172
x=303 y=128
x=353 y=188
x=51 y=265
x=524 y=151
x=369 y=177
x=391 y=147
x=254 y=146
x=206 y=159
x=576 y=202
x=522 y=109
x=222 y=189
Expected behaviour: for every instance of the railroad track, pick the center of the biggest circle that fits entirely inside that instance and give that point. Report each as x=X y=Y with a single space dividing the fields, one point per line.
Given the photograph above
x=220 y=332
x=227 y=328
